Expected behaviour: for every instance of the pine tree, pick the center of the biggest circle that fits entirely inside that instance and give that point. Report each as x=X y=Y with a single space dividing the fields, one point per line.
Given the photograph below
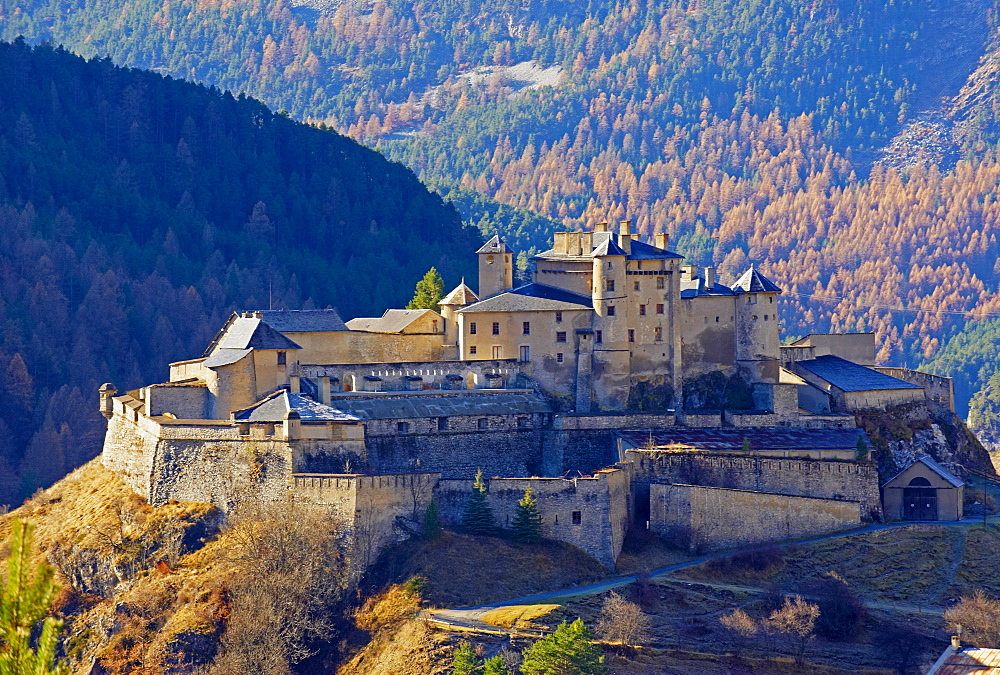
x=25 y=598
x=495 y=666
x=478 y=516
x=432 y=522
x=569 y=649
x=862 y=450
x=464 y=661
x=428 y=291
x=527 y=520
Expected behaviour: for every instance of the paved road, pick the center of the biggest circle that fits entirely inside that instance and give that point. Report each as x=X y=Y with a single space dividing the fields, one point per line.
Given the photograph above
x=468 y=617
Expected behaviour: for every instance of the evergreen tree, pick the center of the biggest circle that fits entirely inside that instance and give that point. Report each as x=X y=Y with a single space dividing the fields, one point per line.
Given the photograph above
x=432 y=522
x=527 y=520
x=428 y=292
x=495 y=666
x=478 y=516
x=569 y=649
x=25 y=598
x=862 y=450
x=464 y=661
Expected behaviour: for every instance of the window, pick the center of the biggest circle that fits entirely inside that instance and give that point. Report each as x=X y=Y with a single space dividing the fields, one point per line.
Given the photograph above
x=659 y=283
x=472 y=328
x=434 y=326
x=611 y=310
x=472 y=349
x=244 y=428
x=497 y=352
x=403 y=427
x=754 y=317
x=282 y=358
x=577 y=517
x=559 y=357
x=442 y=424
x=631 y=335
x=658 y=334
x=609 y=284
x=771 y=298
x=522 y=422
x=561 y=336
x=558 y=317
x=525 y=353
x=526 y=328
x=483 y=423
x=716 y=319
x=659 y=309
x=599 y=336
x=635 y=287
x=496 y=328
x=642 y=310
x=765 y=317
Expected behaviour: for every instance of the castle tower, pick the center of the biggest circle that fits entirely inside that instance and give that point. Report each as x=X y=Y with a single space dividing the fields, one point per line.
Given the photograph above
x=611 y=354
x=758 y=354
x=458 y=298
x=496 y=268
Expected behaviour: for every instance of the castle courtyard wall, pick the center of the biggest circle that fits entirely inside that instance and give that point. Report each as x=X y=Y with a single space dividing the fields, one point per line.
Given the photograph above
x=713 y=518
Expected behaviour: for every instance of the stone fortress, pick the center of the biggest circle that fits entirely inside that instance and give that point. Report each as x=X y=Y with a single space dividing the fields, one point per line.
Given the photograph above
x=625 y=388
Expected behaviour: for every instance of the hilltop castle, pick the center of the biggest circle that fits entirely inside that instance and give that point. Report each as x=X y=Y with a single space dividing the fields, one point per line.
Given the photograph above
x=663 y=391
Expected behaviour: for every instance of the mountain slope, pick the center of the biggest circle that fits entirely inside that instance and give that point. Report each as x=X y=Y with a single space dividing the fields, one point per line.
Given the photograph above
x=137 y=211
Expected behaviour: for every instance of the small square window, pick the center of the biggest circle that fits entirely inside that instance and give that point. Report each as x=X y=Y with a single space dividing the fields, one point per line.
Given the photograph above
x=631 y=335
x=635 y=287
x=609 y=284
x=472 y=349
x=611 y=310
x=442 y=424
x=496 y=328
x=244 y=428
x=558 y=317
x=472 y=328
x=658 y=334
x=403 y=427
x=522 y=422
x=561 y=336
x=526 y=328
x=282 y=358
x=642 y=310
x=559 y=357
x=577 y=517
x=659 y=309
x=599 y=336
x=716 y=319
x=483 y=423
x=659 y=283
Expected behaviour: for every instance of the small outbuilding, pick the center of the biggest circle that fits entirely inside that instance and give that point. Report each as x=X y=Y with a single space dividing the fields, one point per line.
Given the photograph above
x=924 y=490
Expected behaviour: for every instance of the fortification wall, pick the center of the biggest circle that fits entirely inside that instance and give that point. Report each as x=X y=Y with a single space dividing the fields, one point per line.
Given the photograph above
x=937 y=388
x=592 y=513
x=802 y=477
x=500 y=452
x=129 y=449
x=711 y=517
x=445 y=375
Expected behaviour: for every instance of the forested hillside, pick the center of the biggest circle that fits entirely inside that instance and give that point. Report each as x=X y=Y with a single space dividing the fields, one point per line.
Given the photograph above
x=137 y=211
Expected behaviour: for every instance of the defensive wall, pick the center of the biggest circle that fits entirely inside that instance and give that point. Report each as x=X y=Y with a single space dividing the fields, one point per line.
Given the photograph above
x=852 y=481
x=714 y=517
x=412 y=376
x=938 y=390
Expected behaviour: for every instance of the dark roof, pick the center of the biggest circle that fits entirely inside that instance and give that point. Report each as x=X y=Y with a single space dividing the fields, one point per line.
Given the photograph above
x=753 y=281
x=608 y=247
x=849 y=376
x=462 y=295
x=643 y=251
x=303 y=320
x=224 y=357
x=469 y=403
x=276 y=407
x=245 y=333
x=929 y=462
x=393 y=321
x=494 y=245
x=760 y=438
x=696 y=287
x=531 y=297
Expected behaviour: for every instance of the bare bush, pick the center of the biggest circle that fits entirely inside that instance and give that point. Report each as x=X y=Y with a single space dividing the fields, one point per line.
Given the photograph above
x=976 y=619
x=797 y=620
x=741 y=626
x=292 y=574
x=623 y=621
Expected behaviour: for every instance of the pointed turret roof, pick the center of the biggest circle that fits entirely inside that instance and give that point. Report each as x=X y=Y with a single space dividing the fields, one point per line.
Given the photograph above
x=253 y=333
x=462 y=295
x=494 y=245
x=608 y=247
x=753 y=281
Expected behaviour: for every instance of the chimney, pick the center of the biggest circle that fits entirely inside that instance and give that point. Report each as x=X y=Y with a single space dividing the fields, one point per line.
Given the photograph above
x=709 y=277
x=689 y=272
x=956 y=643
x=625 y=235
x=601 y=227
x=661 y=239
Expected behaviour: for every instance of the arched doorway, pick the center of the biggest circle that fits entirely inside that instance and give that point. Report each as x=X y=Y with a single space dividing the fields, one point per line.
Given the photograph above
x=920 y=500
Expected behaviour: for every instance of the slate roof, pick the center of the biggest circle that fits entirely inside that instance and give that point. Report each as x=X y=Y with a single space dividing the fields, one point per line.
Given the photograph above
x=494 y=245
x=753 y=281
x=849 y=376
x=393 y=321
x=608 y=247
x=709 y=439
x=643 y=251
x=696 y=287
x=224 y=357
x=931 y=464
x=303 y=320
x=275 y=408
x=531 y=298
x=638 y=250
x=244 y=333
x=408 y=407
x=462 y=295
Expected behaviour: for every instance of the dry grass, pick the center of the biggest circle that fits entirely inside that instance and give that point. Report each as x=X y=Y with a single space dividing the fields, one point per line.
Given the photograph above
x=516 y=616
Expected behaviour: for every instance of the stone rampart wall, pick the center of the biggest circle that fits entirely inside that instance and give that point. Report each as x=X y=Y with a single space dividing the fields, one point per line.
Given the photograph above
x=433 y=375
x=852 y=481
x=712 y=518
x=503 y=451
x=937 y=389
x=186 y=402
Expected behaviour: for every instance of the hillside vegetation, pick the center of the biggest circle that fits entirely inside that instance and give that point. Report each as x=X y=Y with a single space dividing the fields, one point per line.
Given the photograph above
x=137 y=211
